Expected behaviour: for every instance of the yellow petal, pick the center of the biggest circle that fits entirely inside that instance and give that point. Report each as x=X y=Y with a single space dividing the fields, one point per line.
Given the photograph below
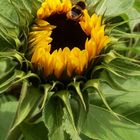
x=40 y=13
x=91 y=48
x=83 y=61
x=98 y=23
x=48 y=68
x=59 y=64
x=50 y=7
x=103 y=43
x=73 y=62
x=66 y=53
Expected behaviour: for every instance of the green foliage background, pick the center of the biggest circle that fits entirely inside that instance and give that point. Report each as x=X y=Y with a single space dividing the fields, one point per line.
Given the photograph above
x=105 y=106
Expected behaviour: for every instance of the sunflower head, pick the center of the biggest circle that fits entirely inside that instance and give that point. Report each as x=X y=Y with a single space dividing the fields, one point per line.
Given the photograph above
x=63 y=45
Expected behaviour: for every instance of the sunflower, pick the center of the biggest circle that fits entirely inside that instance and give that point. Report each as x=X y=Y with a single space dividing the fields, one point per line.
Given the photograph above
x=61 y=45
x=56 y=82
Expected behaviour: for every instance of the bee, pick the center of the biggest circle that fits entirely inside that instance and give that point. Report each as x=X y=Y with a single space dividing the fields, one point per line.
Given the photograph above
x=76 y=12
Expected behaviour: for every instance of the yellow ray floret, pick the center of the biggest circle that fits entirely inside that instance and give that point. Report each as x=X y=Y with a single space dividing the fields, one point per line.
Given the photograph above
x=92 y=26
x=50 y=7
x=65 y=60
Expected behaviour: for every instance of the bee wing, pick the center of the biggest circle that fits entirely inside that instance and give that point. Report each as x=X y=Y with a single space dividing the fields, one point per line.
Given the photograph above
x=72 y=15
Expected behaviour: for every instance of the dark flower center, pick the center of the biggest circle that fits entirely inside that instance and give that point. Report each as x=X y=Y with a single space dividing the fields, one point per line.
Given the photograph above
x=68 y=33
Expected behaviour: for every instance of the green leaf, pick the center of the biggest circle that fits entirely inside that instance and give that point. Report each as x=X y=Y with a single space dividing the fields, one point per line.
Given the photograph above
x=123 y=48
x=111 y=8
x=57 y=115
x=101 y=124
x=83 y=137
x=15 y=17
x=125 y=67
x=68 y=115
x=78 y=110
x=47 y=93
x=7 y=114
x=126 y=103
x=133 y=15
x=76 y=85
x=12 y=55
x=117 y=69
x=9 y=75
x=68 y=126
x=7 y=98
x=121 y=93
x=95 y=84
x=134 y=18
x=35 y=131
x=113 y=81
x=137 y=5
x=5 y=45
x=64 y=96
x=6 y=67
x=28 y=102
x=8 y=82
x=52 y=117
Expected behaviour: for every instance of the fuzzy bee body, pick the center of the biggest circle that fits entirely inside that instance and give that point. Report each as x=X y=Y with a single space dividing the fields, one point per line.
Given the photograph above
x=76 y=12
